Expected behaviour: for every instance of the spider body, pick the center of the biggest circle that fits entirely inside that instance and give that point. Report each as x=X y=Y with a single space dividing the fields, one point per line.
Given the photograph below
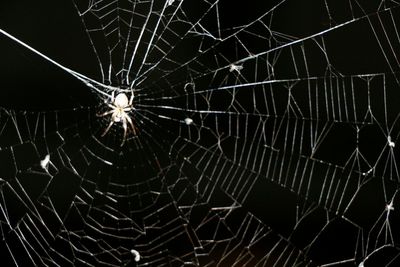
x=119 y=112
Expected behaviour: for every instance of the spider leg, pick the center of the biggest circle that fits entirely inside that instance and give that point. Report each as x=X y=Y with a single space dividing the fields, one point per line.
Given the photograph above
x=112 y=96
x=131 y=99
x=131 y=124
x=105 y=113
x=109 y=125
x=125 y=126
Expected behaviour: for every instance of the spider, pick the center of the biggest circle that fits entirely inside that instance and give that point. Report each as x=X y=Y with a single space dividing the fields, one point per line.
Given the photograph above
x=120 y=108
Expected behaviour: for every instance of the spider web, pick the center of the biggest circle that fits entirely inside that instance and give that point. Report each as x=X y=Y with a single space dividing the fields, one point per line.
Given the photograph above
x=266 y=134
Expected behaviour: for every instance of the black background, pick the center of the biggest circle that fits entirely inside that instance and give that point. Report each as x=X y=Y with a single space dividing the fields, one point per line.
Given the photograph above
x=29 y=82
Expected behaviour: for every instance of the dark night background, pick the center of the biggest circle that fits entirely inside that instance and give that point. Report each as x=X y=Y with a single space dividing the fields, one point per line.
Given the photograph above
x=30 y=83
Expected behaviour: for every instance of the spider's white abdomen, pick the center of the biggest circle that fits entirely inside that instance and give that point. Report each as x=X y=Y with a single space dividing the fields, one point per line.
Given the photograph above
x=120 y=107
x=121 y=100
